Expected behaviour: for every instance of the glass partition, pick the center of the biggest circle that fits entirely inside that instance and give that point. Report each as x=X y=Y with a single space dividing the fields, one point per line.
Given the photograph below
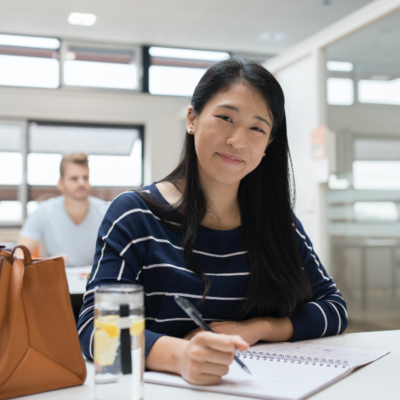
x=363 y=193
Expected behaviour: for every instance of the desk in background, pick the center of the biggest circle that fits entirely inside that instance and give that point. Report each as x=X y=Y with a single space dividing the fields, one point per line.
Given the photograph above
x=376 y=381
x=77 y=277
x=365 y=244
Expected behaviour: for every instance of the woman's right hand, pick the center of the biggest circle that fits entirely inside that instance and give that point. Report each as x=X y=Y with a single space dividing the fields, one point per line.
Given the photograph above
x=206 y=357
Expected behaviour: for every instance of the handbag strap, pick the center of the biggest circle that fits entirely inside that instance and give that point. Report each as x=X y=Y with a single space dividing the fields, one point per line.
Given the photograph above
x=16 y=281
x=27 y=254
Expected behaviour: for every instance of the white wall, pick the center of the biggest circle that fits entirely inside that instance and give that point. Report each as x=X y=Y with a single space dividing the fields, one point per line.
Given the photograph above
x=160 y=115
x=300 y=86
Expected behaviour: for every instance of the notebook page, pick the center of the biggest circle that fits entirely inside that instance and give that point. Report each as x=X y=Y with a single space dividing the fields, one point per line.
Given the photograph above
x=273 y=379
x=355 y=357
x=269 y=380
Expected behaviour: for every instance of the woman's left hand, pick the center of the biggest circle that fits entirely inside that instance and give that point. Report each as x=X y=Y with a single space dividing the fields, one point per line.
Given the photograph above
x=252 y=330
x=246 y=329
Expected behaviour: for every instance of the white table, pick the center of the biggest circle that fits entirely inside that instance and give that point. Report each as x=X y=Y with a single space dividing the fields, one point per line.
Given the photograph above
x=377 y=381
x=77 y=277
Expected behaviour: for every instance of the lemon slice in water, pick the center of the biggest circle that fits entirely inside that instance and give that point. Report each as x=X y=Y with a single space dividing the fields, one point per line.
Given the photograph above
x=137 y=327
x=106 y=340
x=106 y=337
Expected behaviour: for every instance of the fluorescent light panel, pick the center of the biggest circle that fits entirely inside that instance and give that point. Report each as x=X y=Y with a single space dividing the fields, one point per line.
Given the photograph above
x=82 y=19
x=29 y=41
x=188 y=54
x=344 y=66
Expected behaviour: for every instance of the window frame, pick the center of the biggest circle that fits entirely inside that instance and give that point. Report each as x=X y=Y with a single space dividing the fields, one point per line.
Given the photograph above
x=142 y=57
x=59 y=62
x=341 y=75
x=24 y=189
x=147 y=63
x=65 y=44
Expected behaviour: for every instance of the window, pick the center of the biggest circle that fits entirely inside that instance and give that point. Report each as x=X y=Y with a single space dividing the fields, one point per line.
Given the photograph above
x=115 y=155
x=340 y=91
x=342 y=66
x=29 y=61
x=335 y=183
x=375 y=211
x=379 y=91
x=377 y=164
x=102 y=67
x=114 y=152
x=376 y=175
x=11 y=171
x=177 y=71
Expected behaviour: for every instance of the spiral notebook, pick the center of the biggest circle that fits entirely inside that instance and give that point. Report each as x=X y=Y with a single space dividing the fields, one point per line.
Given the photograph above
x=282 y=371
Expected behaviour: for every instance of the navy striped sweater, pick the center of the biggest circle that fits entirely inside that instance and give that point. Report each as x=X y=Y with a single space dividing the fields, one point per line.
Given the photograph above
x=134 y=246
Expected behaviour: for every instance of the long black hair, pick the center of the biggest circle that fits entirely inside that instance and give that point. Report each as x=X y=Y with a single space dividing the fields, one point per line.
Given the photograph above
x=277 y=283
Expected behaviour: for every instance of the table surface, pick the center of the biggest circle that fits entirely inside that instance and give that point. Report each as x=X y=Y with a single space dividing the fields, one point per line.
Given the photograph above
x=77 y=277
x=377 y=381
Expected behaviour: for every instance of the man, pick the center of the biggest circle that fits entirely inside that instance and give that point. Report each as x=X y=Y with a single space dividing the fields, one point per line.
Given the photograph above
x=68 y=224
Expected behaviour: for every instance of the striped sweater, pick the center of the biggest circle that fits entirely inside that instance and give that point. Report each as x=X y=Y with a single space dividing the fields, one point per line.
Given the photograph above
x=134 y=246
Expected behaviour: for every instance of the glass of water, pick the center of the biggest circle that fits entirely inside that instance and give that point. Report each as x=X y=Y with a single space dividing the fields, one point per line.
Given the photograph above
x=119 y=342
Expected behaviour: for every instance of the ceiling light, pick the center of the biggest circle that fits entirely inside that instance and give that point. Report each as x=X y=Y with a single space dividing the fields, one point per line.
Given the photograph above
x=271 y=37
x=81 y=19
x=339 y=66
x=29 y=41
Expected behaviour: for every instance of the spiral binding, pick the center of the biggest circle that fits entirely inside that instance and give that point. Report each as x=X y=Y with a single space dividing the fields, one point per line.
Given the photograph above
x=292 y=359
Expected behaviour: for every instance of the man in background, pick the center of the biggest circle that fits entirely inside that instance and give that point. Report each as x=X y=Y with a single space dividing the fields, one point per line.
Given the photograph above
x=67 y=225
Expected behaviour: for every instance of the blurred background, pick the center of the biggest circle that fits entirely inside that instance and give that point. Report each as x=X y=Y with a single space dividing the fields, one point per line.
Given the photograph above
x=113 y=79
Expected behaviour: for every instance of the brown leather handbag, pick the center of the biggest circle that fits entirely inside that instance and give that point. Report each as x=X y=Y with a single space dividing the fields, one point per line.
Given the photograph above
x=39 y=345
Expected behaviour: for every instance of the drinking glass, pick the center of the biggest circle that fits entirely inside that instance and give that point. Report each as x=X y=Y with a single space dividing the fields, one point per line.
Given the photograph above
x=119 y=342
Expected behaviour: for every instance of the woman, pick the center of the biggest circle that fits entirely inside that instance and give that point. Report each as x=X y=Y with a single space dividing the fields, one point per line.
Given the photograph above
x=220 y=231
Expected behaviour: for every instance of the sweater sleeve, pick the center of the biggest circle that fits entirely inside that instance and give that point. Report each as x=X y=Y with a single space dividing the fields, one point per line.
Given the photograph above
x=326 y=313
x=113 y=265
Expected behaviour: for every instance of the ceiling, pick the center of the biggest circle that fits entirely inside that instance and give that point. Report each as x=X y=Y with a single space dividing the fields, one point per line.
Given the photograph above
x=374 y=49
x=227 y=25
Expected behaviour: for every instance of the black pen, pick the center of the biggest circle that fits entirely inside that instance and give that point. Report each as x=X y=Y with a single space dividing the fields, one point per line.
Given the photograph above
x=193 y=313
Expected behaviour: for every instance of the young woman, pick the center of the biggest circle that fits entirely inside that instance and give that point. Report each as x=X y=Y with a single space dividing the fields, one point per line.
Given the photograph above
x=219 y=231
